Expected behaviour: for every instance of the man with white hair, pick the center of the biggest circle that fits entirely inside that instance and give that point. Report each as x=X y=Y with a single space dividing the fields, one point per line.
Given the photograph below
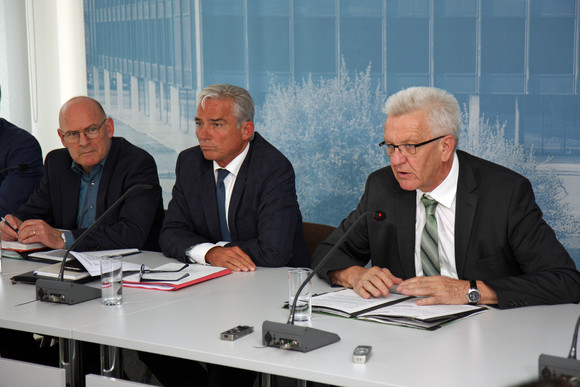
x=458 y=229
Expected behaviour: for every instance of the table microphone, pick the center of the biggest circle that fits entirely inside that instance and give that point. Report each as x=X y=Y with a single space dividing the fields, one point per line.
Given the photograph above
x=20 y=167
x=59 y=291
x=302 y=338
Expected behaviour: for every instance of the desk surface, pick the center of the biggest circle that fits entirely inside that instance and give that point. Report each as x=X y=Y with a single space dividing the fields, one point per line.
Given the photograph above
x=495 y=348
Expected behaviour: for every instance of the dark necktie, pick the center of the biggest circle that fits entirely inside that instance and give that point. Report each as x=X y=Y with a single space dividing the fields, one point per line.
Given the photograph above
x=221 y=201
x=430 y=239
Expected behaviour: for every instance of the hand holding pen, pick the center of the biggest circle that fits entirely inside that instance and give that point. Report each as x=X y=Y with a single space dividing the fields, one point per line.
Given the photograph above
x=10 y=232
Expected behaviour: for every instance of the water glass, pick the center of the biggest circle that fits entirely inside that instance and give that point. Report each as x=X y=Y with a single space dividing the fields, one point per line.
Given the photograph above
x=112 y=280
x=296 y=277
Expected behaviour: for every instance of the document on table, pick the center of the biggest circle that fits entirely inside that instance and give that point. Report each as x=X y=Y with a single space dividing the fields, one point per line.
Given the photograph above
x=57 y=255
x=394 y=309
x=93 y=263
x=161 y=278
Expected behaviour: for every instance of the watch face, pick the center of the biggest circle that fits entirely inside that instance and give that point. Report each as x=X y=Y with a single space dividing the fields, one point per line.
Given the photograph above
x=473 y=296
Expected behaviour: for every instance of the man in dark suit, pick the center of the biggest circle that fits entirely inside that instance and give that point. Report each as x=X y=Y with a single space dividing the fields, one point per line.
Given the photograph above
x=233 y=205
x=83 y=180
x=263 y=224
x=17 y=147
x=458 y=229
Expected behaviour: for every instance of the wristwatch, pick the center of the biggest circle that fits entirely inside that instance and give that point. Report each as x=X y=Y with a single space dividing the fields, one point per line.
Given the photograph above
x=473 y=295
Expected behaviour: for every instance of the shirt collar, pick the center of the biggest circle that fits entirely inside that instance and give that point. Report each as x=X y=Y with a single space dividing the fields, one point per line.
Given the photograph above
x=234 y=166
x=76 y=167
x=446 y=191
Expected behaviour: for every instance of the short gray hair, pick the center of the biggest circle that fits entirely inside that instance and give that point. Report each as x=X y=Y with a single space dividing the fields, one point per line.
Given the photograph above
x=243 y=102
x=441 y=107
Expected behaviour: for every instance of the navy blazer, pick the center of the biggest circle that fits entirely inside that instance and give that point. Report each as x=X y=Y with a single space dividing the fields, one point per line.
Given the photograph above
x=17 y=146
x=264 y=216
x=500 y=236
x=133 y=224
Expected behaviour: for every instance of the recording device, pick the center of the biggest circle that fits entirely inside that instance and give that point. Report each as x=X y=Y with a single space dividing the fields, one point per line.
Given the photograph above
x=58 y=291
x=361 y=354
x=302 y=338
x=565 y=369
x=236 y=332
x=20 y=167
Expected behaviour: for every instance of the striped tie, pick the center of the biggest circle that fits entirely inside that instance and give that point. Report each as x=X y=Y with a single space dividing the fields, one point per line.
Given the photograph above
x=430 y=239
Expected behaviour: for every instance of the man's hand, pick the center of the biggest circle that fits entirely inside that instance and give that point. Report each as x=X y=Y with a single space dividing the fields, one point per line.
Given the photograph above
x=444 y=290
x=232 y=258
x=36 y=230
x=372 y=282
x=7 y=233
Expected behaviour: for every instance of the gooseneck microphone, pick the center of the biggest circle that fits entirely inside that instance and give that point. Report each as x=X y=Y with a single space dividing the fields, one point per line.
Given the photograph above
x=301 y=338
x=20 y=167
x=58 y=291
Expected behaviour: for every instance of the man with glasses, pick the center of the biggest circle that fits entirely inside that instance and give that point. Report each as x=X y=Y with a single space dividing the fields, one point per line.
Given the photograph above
x=83 y=180
x=458 y=229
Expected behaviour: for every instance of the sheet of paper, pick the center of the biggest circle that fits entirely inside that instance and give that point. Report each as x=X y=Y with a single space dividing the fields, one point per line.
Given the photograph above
x=93 y=265
x=349 y=301
x=56 y=255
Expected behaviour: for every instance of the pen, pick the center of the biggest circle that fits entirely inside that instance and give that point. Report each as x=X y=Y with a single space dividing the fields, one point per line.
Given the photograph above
x=8 y=224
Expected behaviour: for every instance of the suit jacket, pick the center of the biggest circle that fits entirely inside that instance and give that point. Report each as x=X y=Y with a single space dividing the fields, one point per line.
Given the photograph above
x=17 y=146
x=134 y=223
x=264 y=216
x=500 y=236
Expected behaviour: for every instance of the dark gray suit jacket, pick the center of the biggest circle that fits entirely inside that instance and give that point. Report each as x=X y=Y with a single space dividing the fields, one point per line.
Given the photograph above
x=134 y=223
x=264 y=217
x=500 y=236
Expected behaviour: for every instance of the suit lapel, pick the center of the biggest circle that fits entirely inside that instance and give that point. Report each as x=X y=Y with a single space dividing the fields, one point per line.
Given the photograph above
x=466 y=205
x=237 y=192
x=106 y=176
x=405 y=215
x=70 y=188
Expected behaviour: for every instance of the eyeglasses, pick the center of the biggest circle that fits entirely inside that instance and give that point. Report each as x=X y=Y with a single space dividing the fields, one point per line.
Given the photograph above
x=405 y=149
x=162 y=275
x=74 y=136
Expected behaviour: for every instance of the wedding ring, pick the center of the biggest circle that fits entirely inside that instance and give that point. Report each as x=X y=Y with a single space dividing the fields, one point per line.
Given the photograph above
x=33 y=232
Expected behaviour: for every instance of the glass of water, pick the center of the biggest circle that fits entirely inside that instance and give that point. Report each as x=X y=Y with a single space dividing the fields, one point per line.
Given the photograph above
x=112 y=280
x=296 y=277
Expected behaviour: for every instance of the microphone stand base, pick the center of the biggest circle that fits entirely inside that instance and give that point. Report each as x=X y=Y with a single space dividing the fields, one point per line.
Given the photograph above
x=64 y=292
x=295 y=337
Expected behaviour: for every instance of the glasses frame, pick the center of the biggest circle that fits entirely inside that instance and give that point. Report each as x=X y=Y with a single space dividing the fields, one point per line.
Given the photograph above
x=68 y=136
x=143 y=270
x=407 y=147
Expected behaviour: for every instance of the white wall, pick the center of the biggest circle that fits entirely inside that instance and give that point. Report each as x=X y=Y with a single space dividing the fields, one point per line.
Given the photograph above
x=57 y=69
x=15 y=103
x=42 y=63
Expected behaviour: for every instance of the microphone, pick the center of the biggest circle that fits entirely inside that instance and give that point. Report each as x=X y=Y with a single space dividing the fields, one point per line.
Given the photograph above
x=302 y=338
x=20 y=167
x=58 y=291
x=561 y=368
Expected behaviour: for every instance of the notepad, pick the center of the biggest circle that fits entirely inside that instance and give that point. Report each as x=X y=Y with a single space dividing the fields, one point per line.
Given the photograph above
x=158 y=281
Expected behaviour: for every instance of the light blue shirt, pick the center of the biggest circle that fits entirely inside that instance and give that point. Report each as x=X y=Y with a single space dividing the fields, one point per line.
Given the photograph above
x=87 y=210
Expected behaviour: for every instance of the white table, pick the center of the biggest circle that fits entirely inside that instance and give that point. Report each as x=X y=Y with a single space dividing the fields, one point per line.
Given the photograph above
x=495 y=348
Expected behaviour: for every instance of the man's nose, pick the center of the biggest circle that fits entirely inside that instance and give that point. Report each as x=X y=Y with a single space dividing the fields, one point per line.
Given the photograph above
x=397 y=157
x=83 y=139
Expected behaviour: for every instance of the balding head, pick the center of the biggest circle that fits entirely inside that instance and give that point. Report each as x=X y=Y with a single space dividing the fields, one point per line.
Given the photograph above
x=85 y=131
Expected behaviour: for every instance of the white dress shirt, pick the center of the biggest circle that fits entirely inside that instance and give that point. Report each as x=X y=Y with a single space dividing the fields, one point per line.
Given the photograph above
x=445 y=194
x=197 y=253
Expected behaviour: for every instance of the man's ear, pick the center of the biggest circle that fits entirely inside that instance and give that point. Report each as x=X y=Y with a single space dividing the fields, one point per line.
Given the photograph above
x=247 y=130
x=447 y=147
x=58 y=131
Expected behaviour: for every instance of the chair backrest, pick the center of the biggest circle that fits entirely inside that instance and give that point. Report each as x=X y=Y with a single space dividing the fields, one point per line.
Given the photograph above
x=314 y=233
